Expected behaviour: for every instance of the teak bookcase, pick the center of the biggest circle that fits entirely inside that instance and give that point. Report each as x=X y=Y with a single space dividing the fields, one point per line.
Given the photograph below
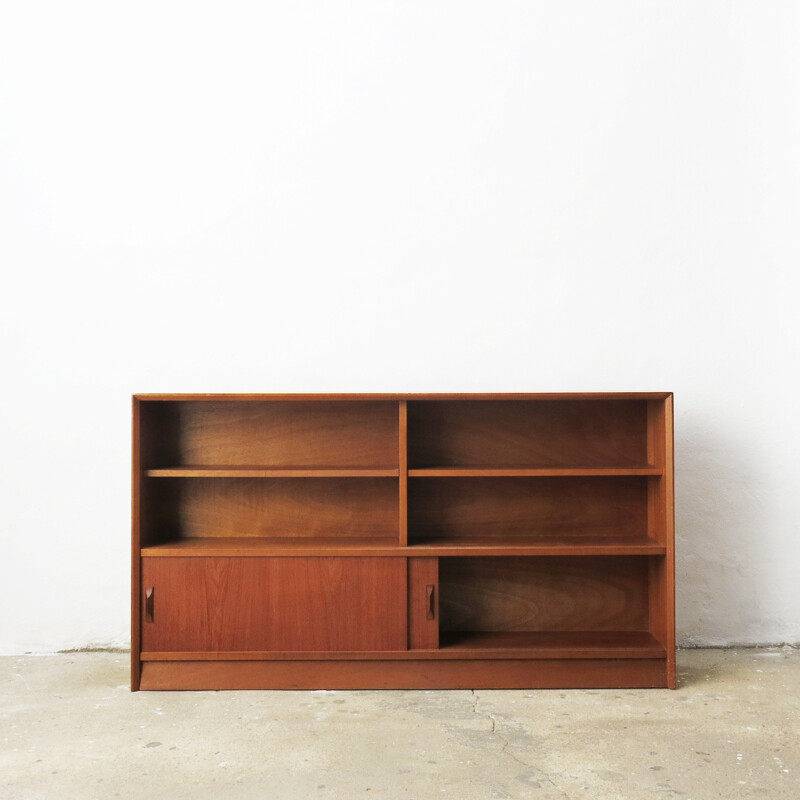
x=403 y=541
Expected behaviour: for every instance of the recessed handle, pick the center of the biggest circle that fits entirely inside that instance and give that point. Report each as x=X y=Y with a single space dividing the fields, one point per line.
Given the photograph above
x=149 y=604
x=430 y=602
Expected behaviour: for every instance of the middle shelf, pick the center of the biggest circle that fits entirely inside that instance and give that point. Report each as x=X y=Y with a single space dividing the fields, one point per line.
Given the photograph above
x=255 y=546
x=198 y=513
x=333 y=471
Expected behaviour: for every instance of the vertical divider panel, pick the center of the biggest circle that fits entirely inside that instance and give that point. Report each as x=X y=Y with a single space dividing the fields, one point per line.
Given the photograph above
x=423 y=603
x=403 y=479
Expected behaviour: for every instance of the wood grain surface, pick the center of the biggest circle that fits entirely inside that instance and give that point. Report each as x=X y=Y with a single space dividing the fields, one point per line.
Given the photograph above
x=256 y=546
x=497 y=645
x=422 y=674
x=276 y=604
x=526 y=508
x=543 y=594
x=280 y=507
x=325 y=434
x=527 y=433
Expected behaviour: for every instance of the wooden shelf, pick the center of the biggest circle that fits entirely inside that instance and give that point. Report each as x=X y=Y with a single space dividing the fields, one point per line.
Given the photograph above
x=557 y=644
x=530 y=472
x=275 y=546
x=270 y=472
x=467 y=645
x=539 y=546
x=387 y=546
x=389 y=472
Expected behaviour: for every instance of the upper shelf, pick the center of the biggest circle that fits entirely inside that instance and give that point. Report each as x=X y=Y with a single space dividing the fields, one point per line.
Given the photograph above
x=270 y=472
x=532 y=472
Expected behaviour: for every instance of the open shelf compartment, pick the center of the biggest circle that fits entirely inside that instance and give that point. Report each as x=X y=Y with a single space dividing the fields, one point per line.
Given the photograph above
x=548 y=511
x=548 y=607
x=532 y=434
x=202 y=437
x=234 y=516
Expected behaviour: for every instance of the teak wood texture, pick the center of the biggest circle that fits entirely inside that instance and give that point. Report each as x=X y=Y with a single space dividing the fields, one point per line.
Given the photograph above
x=403 y=541
x=284 y=604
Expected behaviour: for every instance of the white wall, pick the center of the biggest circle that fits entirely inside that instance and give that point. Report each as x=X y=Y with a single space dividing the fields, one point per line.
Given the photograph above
x=387 y=196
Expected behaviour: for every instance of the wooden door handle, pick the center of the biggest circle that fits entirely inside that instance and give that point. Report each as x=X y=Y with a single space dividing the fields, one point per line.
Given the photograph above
x=430 y=602
x=149 y=604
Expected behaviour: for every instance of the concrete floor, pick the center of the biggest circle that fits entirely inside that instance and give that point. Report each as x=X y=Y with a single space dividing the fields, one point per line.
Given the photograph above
x=69 y=727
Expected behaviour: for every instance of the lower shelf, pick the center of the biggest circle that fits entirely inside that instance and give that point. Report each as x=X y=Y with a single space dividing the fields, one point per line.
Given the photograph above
x=522 y=645
x=407 y=674
x=555 y=644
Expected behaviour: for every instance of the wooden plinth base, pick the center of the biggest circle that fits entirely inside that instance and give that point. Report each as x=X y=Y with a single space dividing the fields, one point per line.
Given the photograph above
x=407 y=674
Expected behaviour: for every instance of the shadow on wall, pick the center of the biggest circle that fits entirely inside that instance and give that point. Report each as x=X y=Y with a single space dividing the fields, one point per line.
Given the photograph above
x=723 y=555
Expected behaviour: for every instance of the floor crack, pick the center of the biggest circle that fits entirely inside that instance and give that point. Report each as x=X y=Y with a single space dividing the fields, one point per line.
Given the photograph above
x=484 y=714
x=504 y=751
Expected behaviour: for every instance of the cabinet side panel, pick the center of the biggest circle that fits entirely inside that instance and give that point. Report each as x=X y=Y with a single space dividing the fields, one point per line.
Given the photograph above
x=150 y=431
x=656 y=443
x=669 y=486
x=661 y=524
x=423 y=603
x=135 y=549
